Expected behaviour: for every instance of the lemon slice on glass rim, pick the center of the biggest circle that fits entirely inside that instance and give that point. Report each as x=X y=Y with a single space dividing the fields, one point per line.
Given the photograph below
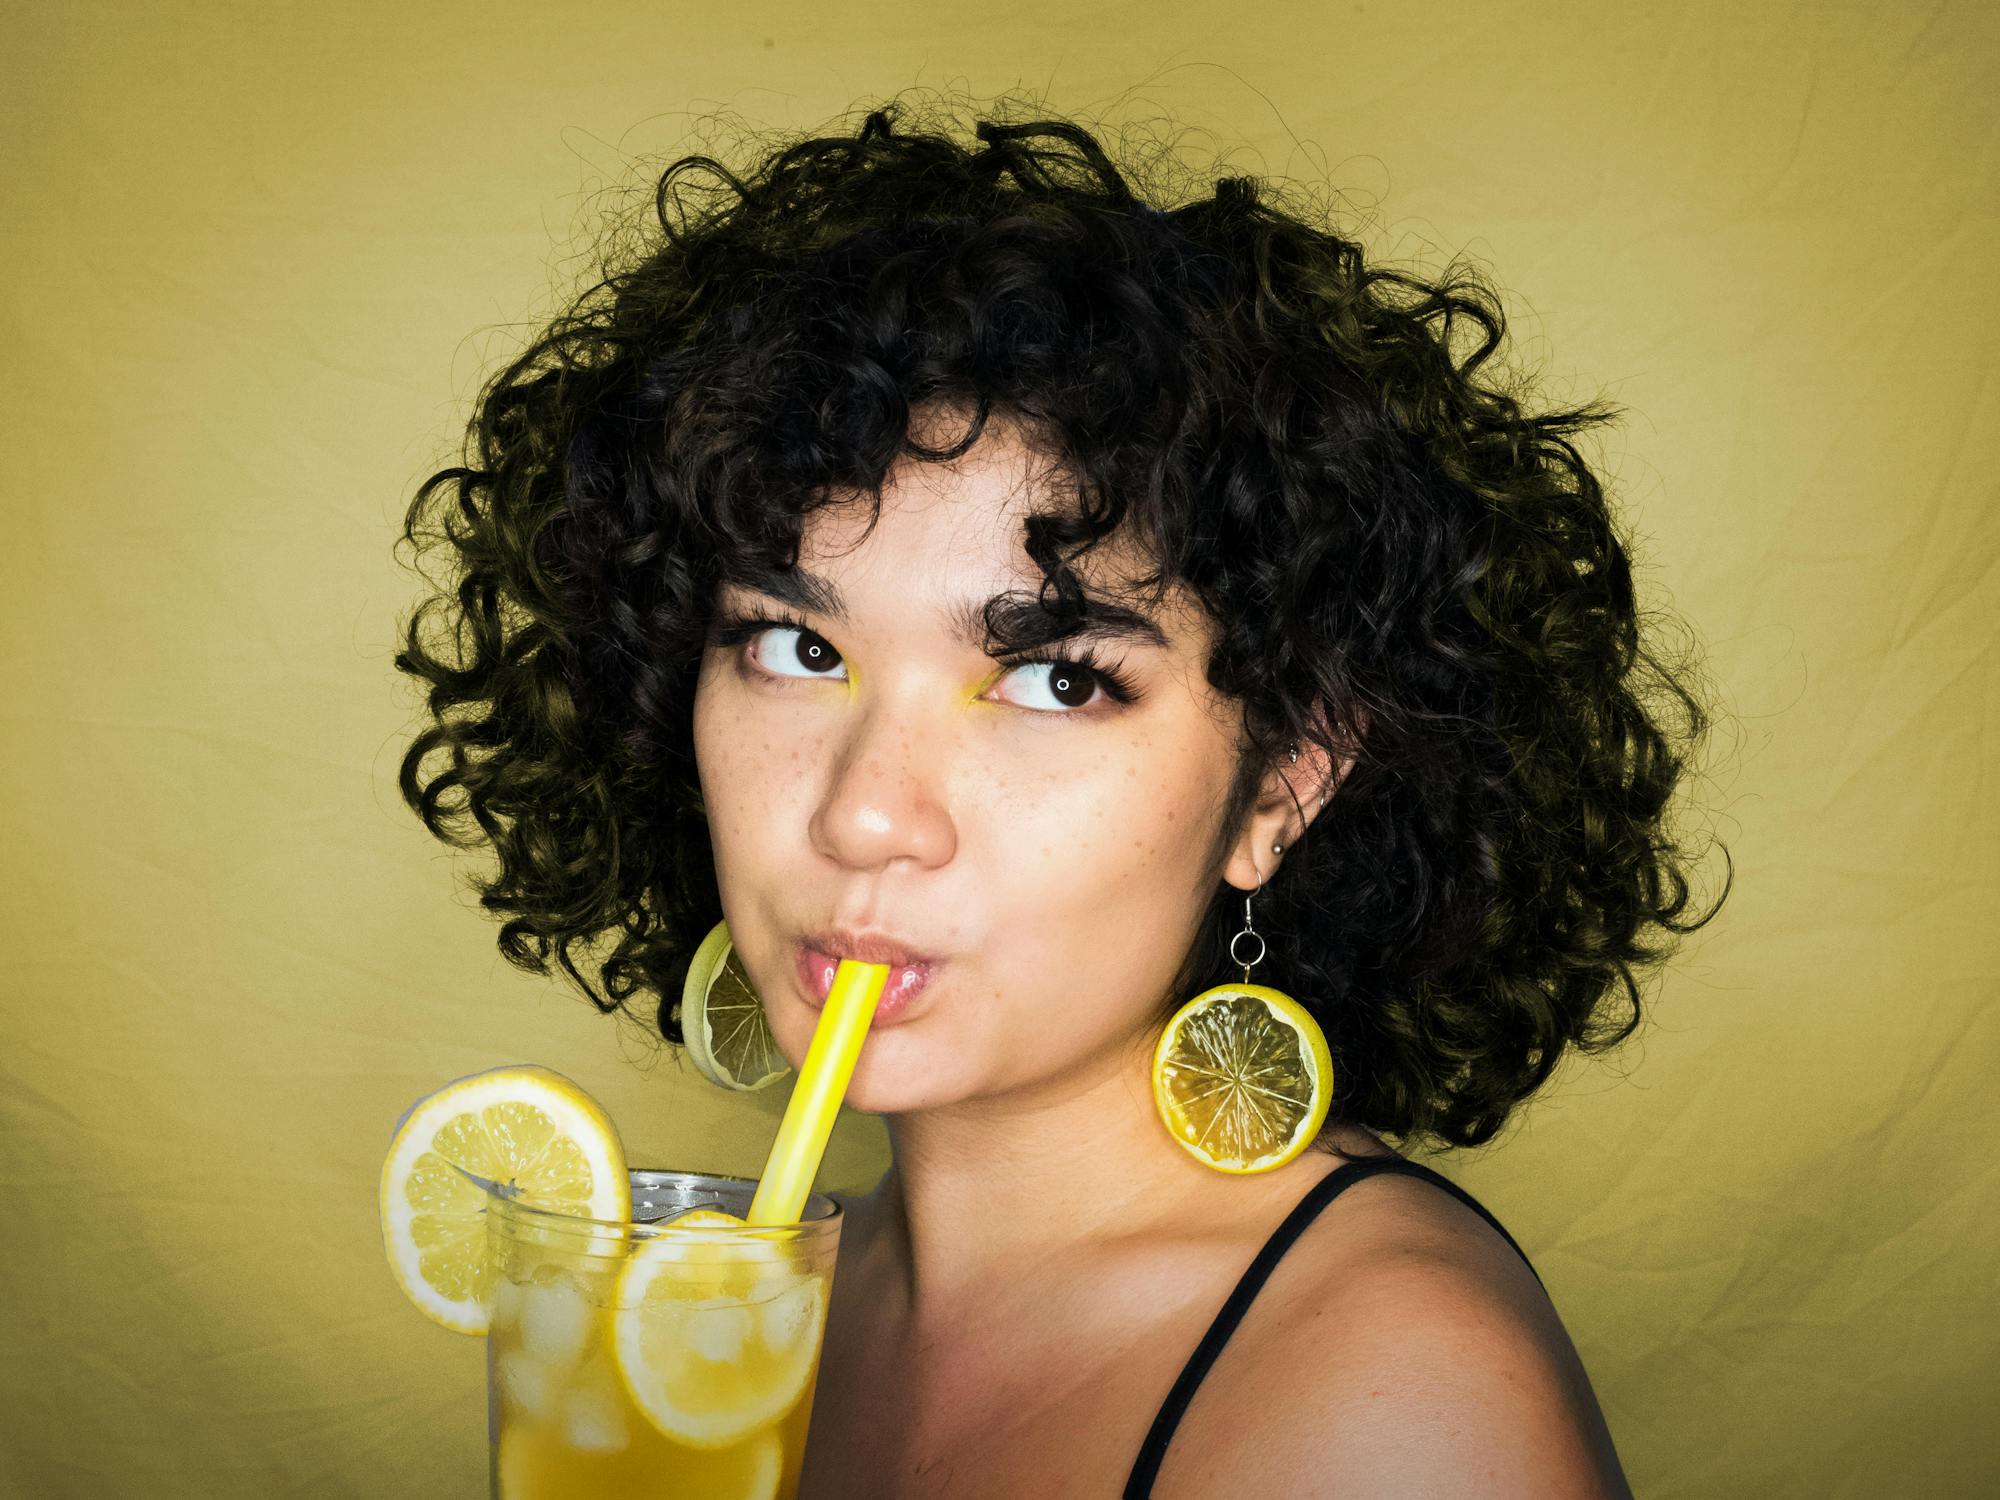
x=722 y=1019
x=522 y=1126
x=1243 y=1077
x=713 y=1338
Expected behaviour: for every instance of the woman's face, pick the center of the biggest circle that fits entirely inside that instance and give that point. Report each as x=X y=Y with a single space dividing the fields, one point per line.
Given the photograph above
x=1046 y=844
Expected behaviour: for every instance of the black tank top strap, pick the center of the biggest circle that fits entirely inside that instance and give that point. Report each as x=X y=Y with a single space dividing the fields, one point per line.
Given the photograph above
x=1153 y=1451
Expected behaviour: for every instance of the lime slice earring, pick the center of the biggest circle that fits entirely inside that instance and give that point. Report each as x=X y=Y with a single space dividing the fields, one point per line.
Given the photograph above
x=722 y=1020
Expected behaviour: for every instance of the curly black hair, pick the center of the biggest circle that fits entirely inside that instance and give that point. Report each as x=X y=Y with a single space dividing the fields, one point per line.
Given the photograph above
x=1402 y=563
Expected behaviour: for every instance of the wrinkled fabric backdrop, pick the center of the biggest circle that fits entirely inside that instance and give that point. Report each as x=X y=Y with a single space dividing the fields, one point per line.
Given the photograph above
x=257 y=261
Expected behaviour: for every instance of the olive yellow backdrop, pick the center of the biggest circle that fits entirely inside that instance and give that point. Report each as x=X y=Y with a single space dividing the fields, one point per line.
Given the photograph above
x=257 y=259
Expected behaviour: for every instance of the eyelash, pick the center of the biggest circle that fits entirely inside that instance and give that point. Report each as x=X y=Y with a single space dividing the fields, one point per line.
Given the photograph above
x=735 y=629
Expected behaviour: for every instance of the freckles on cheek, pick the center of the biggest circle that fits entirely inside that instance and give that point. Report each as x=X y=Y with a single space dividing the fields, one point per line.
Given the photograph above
x=1165 y=828
x=751 y=776
x=727 y=754
x=1103 y=838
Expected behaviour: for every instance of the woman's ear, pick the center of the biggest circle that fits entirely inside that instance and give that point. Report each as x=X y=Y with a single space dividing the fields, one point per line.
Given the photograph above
x=1294 y=793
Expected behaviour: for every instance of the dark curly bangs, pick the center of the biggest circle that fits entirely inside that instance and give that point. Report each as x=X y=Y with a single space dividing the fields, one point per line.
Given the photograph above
x=1401 y=561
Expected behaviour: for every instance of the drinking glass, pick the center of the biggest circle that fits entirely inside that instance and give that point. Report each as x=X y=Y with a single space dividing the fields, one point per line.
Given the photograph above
x=626 y=1361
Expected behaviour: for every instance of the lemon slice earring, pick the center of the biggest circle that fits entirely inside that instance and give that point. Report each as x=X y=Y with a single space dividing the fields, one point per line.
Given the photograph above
x=1242 y=1074
x=722 y=1019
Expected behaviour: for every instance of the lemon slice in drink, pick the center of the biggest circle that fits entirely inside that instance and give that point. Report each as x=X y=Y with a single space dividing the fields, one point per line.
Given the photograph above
x=524 y=1126
x=714 y=1339
x=1243 y=1077
x=722 y=1019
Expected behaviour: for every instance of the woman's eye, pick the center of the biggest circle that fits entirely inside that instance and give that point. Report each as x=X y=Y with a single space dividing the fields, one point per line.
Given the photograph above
x=1068 y=685
x=1065 y=686
x=810 y=653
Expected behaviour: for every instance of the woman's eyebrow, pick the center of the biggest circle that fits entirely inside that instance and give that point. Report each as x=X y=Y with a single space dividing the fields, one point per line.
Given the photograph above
x=1019 y=615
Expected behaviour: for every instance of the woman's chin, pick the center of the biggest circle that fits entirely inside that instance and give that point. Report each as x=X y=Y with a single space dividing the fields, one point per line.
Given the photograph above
x=890 y=1080
x=900 y=1068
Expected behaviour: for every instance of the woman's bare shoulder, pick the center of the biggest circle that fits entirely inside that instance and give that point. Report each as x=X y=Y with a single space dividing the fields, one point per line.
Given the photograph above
x=1418 y=1354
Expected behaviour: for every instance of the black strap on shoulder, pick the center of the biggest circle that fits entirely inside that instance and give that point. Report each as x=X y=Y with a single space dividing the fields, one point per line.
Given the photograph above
x=1153 y=1451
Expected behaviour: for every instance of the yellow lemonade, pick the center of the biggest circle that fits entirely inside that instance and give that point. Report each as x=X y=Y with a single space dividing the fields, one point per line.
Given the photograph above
x=656 y=1361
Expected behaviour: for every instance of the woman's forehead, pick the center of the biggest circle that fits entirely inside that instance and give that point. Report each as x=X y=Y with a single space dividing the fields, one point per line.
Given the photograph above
x=957 y=525
x=948 y=539
x=972 y=507
x=935 y=577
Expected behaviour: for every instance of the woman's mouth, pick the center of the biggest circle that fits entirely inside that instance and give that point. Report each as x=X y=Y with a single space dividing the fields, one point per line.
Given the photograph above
x=905 y=983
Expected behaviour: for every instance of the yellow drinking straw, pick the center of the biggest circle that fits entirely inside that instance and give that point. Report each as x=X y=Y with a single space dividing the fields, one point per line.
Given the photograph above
x=822 y=1083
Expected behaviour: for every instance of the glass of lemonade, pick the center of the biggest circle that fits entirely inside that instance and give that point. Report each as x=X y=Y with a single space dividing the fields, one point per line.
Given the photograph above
x=655 y=1360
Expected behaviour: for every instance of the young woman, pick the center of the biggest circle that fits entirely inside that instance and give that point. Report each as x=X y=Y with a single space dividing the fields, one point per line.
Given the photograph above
x=930 y=552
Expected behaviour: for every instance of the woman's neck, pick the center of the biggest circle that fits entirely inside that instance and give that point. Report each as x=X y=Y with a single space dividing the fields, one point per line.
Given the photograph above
x=982 y=1194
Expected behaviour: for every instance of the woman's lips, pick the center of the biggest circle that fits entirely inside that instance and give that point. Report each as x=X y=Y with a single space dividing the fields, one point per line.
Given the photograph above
x=906 y=982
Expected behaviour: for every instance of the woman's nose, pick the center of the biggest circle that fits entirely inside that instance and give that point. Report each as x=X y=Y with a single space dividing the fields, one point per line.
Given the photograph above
x=884 y=799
